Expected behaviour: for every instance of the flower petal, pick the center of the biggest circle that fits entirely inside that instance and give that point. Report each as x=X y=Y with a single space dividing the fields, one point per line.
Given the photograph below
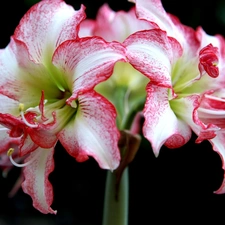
x=7 y=141
x=31 y=138
x=153 y=53
x=86 y=62
x=8 y=105
x=27 y=145
x=36 y=183
x=19 y=75
x=186 y=109
x=87 y=28
x=161 y=124
x=212 y=109
x=115 y=26
x=46 y=25
x=93 y=132
x=153 y=11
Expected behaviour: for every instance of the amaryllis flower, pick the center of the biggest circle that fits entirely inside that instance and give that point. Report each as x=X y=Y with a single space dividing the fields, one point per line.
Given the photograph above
x=186 y=88
x=184 y=67
x=48 y=75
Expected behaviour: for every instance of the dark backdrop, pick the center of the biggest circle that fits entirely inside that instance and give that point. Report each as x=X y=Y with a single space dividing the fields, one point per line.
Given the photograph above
x=176 y=187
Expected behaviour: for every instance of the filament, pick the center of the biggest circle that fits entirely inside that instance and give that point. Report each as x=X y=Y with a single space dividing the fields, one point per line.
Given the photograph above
x=10 y=152
x=21 y=109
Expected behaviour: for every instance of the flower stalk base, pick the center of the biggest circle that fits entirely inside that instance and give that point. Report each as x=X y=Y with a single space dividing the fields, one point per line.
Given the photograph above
x=116 y=201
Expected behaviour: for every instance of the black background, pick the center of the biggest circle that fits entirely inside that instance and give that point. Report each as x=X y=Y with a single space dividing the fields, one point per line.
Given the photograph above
x=177 y=187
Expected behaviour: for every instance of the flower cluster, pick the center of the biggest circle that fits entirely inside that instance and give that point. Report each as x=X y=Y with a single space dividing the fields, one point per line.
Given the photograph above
x=88 y=83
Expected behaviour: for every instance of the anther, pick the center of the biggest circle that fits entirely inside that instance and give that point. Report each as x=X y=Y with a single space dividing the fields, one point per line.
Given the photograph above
x=10 y=152
x=21 y=107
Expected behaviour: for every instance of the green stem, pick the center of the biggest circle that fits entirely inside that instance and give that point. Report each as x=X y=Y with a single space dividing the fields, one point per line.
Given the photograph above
x=116 y=209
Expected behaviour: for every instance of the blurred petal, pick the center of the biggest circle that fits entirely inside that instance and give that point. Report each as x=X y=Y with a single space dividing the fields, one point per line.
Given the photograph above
x=115 y=26
x=153 y=11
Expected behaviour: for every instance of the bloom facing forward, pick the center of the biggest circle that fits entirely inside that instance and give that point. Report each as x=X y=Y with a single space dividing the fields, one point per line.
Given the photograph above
x=184 y=67
x=46 y=93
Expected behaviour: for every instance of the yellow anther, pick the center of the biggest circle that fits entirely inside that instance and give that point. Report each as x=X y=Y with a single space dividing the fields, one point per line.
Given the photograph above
x=10 y=151
x=21 y=107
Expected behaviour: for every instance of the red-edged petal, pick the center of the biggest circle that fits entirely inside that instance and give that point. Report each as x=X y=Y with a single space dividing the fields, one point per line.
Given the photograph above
x=9 y=87
x=26 y=145
x=46 y=25
x=30 y=137
x=7 y=141
x=14 y=124
x=161 y=124
x=19 y=75
x=187 y=110
x=212 y=110
x=152 y=53
x=116 y=26
x=86 y=62
x=42 y=137
x=153 y=11
x=93 y=132
x=36 y=183
x=18 y=130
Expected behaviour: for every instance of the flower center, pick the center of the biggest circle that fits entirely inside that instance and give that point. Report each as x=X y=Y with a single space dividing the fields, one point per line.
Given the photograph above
x=49 y=111
x=184 y=74
x=128 y=86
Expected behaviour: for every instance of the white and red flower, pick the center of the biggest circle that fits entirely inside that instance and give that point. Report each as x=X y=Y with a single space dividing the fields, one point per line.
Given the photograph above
x=185 y=71
x=190 y=95
x=48 y=75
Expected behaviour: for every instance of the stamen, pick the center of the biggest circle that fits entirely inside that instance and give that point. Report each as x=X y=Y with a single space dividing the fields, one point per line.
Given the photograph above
x=21 y=109
x=10 y=152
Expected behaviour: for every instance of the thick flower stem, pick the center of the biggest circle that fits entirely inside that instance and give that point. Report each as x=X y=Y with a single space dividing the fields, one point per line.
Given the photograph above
x=115 y=210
